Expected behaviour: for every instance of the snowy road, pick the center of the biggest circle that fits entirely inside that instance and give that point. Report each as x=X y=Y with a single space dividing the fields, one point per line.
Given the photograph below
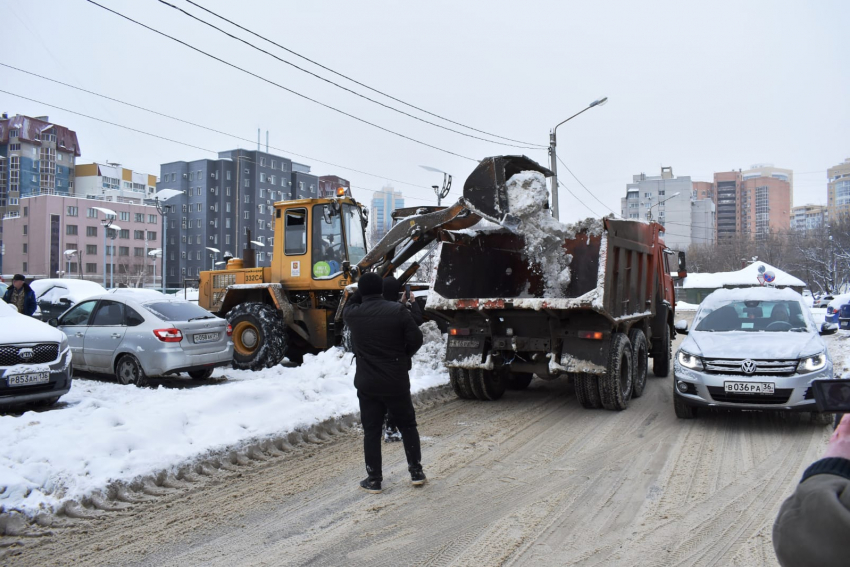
x=532 y=479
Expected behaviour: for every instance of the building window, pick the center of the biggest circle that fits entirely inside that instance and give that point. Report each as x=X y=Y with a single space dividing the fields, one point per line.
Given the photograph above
x=247 y=198
x=123 y=250
x=227 y=239
x=152 y=219
x=26 y=267
x=261 y=224
x=227 y=190
x=124 y=233
x=199 y=239
x=261 y=208
x=227 y=221
x=73 y=211
x=247 y=215
x=247 y=183
x=262 y=177
x=13 y=133
x=71 y=229
x=138 y=251
x=91 y=231
x=91 y=249
x=151 y=235
x=125 y=216
x=14 y=147
x=140 y=217
x=25 y=247
x=91 y=268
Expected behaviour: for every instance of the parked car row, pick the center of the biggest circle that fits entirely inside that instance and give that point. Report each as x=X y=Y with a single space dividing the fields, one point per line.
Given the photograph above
x=130 y=334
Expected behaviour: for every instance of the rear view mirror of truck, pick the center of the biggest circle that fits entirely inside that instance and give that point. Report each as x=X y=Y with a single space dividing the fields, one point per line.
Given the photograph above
x=832 y=395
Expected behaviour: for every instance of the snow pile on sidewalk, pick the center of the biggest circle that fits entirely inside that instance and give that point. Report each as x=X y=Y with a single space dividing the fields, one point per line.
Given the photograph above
x=110 y=432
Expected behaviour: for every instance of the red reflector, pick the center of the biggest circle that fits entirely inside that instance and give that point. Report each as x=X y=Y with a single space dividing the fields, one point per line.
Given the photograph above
x=168 y=335
x=595 y=335
x=455 y=332
x=229 y=330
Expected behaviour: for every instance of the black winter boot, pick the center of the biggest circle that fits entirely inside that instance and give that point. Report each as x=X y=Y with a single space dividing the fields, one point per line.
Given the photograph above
x=417 y=478
x=371 y=485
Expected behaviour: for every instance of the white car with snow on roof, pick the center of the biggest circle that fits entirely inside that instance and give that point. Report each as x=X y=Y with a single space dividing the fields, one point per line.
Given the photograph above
x=55 y=296
x=751 y=349
x=35 y=361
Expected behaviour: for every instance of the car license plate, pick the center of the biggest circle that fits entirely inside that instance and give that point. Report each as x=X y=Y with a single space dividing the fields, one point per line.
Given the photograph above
x=845 y=324
x=28 y=379
x=206 y=338
x=749 y=387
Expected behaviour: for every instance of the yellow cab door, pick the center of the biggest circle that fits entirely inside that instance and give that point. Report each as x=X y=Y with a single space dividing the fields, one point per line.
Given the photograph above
x=291 y=265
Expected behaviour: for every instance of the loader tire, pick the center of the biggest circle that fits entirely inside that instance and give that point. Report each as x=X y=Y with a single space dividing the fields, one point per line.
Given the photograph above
x=615 y=386
x=661 y=362
x=457 y=377
x=587 y=391
x=640 y=361
x=488 y=385
x=259 y=338
x=518 y=380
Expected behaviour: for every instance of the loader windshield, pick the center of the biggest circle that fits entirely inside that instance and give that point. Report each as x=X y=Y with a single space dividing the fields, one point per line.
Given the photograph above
x=328 y=246
x=354 y=234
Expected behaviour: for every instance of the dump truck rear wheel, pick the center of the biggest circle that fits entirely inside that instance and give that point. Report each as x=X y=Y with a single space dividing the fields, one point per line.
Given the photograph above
x=616 y=385
x=259 y=339
x=640 y=361
x=518 y=380
x=587 y=391
x=457 y=377
x=490 y=383
x=661 y=362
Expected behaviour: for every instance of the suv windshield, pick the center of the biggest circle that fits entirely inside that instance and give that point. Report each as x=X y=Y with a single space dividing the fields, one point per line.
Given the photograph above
x=178 y=311
x=752 y=316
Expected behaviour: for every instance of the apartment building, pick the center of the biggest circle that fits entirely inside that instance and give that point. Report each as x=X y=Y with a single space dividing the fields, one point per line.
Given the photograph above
x=838 y=191
x=112 y=182
x=36 y=158
x=59 y=236
x=220 y=201
x=768 y=170
x=755 y=206
x=384 y=202
x=808 y=217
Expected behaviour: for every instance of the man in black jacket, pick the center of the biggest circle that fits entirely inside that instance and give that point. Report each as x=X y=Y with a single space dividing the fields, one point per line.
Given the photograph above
x=21 y=296
x=384 y=337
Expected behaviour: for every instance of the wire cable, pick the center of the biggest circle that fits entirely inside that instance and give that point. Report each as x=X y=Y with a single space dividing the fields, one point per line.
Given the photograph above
x=355 y=93
x=579 y=200
x=207 y=128
x=231 y=22
x=585 y=188
x=278 y=85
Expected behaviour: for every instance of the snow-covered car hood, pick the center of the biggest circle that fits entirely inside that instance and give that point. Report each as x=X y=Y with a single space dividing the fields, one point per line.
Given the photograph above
x=758 y=345
x=51 y=290
x=16 y=328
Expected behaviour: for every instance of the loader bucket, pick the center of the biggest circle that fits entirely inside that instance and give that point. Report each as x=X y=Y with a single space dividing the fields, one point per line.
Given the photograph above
x=485 y=190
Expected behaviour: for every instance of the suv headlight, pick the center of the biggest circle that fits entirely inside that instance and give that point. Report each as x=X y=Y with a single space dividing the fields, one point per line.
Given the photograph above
x=812 y=363
x=689 y=361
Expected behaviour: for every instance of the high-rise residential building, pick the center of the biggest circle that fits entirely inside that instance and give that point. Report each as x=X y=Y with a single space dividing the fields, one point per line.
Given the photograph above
x=328 y=185
x=727 y=188
x=36 y=158
x=768 y=170
x=838 y=191
x=384 y=202
x=808 y=217
x=220 y=201
x=670 y=200
x=111 y=182
x=58 y=236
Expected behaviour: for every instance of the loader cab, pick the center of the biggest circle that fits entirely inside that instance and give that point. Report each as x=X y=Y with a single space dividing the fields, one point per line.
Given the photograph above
x=317 y=237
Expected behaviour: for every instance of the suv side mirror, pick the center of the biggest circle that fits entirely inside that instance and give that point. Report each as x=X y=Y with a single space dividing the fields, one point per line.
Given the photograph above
x=53 y=322
x=681 y=326
x=828 y=329
x=64 y=301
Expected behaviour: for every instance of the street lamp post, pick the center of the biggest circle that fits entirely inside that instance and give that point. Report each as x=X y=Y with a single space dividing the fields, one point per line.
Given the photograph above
x=106 y=223
x=553 y=157
x=441 y=192
x=159 y=199
x=68 y=255
x=153 y=254
x=115 y=228
x=212 y=256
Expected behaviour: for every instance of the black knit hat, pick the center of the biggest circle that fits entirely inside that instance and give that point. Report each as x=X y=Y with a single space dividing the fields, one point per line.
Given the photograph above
x=391 y=288
x=19 y=277
x=370 y=284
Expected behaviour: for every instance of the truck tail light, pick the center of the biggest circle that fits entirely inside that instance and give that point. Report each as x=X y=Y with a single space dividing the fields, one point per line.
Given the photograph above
x=229 y=330
x=456 y=331
x=169 y=335
x=594 y=335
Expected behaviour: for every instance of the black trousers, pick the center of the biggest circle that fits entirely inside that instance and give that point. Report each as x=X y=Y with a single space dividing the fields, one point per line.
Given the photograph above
x=372 y=412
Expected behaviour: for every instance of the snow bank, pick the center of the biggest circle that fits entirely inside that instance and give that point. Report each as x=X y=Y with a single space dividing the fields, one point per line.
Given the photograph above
x=189 y=294
x=110 y=432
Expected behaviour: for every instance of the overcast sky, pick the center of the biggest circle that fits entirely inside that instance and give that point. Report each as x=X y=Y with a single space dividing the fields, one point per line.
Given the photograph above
x=701 y=87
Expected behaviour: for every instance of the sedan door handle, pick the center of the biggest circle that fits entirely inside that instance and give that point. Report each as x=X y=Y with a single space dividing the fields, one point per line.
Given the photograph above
x=116 y=336
x=78 y=335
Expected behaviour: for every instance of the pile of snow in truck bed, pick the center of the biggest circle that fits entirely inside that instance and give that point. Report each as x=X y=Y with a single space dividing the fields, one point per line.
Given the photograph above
x=106 y=432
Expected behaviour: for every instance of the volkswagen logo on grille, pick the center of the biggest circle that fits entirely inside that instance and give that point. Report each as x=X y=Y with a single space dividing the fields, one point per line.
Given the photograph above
x=26 y=354
x=748 y=367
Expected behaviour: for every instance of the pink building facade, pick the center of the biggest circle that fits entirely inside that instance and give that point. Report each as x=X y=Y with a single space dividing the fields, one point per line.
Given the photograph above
x=36 y=242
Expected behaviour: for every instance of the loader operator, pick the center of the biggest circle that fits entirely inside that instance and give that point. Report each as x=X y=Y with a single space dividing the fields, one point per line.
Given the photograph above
x=384 y=337
x=391 y=289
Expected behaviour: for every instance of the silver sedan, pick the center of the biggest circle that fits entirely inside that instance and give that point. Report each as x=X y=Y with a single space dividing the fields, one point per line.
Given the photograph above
x=137 y=337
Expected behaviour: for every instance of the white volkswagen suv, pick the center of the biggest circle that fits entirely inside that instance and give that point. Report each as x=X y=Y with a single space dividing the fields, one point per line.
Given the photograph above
x=750 y=348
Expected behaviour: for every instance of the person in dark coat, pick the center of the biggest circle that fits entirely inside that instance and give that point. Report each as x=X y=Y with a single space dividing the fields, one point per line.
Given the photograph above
x=391 y=290
x=21 y=295
x=384 y=337
x=814 y=522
